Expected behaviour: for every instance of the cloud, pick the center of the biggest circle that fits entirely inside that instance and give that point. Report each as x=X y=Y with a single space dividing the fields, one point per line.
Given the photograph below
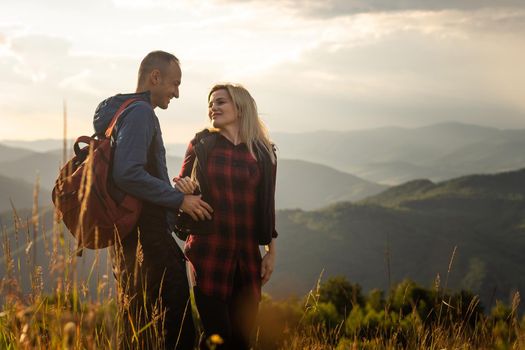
x=64 y=6
x=337 y=8
x=380 y=66
x=80 y=82
x=37 y=56
x=415 y=70
x=40 y=45
x=41 y=71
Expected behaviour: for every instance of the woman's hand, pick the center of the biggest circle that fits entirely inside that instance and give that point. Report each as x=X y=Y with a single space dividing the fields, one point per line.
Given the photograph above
x=268 y=263
x=185 y=184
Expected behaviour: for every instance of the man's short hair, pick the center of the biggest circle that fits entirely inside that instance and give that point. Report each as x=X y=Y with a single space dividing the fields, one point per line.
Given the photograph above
x=155 y=60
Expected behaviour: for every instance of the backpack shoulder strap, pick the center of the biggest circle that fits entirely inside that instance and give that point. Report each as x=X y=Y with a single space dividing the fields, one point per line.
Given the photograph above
x=117 y=115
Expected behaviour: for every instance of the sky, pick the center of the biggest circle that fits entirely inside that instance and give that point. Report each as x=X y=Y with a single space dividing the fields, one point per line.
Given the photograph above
x=310 y=65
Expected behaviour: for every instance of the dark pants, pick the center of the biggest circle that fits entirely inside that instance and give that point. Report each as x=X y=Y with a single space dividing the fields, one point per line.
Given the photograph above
x=153 y=288
x=233 y=320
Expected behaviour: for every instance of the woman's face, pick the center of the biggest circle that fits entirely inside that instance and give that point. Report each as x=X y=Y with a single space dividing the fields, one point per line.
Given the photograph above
x=221 y=110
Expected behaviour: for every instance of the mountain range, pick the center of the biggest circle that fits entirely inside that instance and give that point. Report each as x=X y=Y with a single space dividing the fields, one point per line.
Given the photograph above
x=393 y=155
x=14 y=192
x=8 y=153
x=464 y=233
x=388 y=155
x=301 y=184
x=475 y=224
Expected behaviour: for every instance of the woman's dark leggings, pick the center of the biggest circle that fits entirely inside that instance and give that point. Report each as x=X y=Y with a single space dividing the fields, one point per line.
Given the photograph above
x=233 y=320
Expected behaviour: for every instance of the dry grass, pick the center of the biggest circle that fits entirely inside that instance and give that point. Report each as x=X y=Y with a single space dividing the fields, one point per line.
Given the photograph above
x=59 y=311
x=51 y=307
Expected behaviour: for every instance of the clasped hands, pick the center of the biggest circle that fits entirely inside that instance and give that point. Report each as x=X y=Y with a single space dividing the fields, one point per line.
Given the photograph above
x=193 y=205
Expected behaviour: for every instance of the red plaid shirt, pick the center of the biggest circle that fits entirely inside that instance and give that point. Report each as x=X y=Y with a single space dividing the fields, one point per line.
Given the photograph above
x=234 y=176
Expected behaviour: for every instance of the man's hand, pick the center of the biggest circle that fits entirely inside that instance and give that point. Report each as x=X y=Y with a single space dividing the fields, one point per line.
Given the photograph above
x=196 y=208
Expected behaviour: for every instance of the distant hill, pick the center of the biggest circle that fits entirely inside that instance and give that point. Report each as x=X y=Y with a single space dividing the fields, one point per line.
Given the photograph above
x=503 y=152
x=8 y=153
x=399 y=171
x=388 y=155
x=506 y=186
x=309 y=186
x=43 y=165
x=41 y=146
x=411 y=230
x=343 y=148
x=19 y=192
x=300 y=184
x=46 y=166
x=47 y=145
x=393 y=155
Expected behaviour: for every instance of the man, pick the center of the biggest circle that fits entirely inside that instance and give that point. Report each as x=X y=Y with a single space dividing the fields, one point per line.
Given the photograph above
x=148 y=264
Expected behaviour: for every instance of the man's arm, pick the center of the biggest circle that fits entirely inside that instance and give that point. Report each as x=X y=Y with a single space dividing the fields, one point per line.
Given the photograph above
x=133 y=140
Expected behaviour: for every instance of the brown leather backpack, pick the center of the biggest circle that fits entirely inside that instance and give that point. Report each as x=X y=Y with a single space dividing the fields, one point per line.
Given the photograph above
x=93 y=209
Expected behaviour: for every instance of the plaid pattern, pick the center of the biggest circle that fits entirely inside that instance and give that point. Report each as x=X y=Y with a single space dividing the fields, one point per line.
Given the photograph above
x=234 y=177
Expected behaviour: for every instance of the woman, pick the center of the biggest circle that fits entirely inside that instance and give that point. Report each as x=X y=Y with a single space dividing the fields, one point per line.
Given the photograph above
x=233 y=165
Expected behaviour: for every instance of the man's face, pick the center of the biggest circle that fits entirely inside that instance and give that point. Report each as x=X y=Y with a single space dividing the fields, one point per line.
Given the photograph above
x=166 y=86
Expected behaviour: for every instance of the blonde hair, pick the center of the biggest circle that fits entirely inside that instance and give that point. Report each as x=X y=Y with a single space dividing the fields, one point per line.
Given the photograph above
x=252 y=130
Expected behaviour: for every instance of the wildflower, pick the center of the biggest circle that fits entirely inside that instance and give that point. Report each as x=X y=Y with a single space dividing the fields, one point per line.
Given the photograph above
x=70 y=330
x=28 y=247
x=24 y=337
x=216 y=339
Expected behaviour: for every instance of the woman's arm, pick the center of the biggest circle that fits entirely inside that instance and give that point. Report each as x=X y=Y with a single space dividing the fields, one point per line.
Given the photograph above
x=183 y=182
x=192 y=205
x=187 y=163
x=268 y=262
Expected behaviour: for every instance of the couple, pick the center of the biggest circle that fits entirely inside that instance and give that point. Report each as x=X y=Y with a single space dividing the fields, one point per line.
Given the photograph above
x=232 y=166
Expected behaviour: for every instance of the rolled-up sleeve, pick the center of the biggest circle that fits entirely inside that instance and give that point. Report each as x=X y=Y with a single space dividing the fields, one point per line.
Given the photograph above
x=133 y=140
